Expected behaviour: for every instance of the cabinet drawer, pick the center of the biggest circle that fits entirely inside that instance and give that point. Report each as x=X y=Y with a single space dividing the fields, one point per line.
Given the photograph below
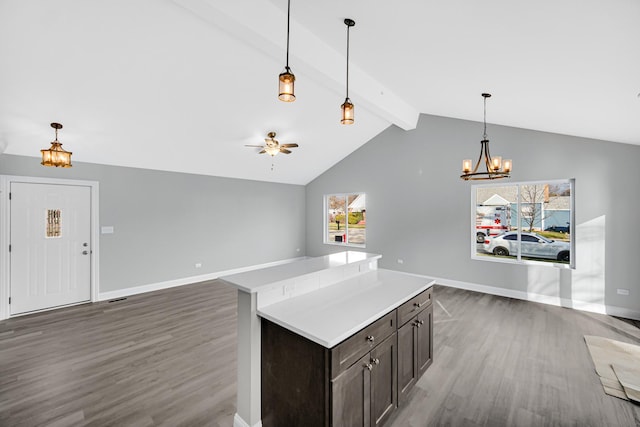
x=414 y=306
x=353 y=348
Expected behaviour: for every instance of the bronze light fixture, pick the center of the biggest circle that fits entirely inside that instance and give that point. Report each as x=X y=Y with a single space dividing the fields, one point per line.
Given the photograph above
x=55 y=155
x=347 y=106
x=286 y=78
x=495 y=168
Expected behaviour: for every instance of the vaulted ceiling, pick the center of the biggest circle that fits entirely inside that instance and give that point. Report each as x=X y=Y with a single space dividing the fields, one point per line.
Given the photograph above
x=183 y=85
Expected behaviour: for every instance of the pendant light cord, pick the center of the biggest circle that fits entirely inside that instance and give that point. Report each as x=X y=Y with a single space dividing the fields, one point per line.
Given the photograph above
x=348 y=27
x=288 y=25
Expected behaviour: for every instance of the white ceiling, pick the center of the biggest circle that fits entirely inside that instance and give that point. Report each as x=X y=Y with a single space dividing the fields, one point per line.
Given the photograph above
x=182 y=85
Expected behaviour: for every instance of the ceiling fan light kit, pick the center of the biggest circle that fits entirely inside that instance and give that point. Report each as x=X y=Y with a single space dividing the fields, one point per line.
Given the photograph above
x=272 y=147
x=286 y=80
x=55 y=155
x=495 y=168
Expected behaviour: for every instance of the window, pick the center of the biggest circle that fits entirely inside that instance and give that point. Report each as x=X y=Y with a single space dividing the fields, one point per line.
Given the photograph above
x=529 y=222
x=345 y=219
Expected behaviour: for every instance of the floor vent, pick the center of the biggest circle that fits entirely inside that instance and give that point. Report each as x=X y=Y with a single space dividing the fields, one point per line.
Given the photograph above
x=118 y=299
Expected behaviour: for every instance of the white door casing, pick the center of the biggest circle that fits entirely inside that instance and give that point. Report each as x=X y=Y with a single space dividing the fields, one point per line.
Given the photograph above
x=72 y=276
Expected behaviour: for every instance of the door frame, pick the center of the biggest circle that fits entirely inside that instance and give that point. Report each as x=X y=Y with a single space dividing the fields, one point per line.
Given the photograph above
x=5 y=228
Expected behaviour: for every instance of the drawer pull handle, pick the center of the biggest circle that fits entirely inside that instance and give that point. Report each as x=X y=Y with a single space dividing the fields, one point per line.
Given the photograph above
x=369 y=366
x=417 y=304
x=375 y=361
x=371 y=338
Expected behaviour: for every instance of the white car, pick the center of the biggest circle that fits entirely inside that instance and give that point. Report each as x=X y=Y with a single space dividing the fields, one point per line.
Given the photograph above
x=533 y=246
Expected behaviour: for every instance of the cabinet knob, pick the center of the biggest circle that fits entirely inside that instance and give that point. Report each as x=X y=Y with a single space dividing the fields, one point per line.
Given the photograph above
x=421 y=322
x=417 y=304
x=375 y=361
x=371 y=338
x=369 y=366
x=417 y=323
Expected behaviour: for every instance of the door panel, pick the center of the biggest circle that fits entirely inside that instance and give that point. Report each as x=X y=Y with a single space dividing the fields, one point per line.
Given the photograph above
x=425 y=340
x=50 y=246
x=351 y=396
x=407 y=356
x=384 y=392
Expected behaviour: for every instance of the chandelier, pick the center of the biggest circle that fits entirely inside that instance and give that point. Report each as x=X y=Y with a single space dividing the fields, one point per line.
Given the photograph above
x=55 y=155
x=494 y=168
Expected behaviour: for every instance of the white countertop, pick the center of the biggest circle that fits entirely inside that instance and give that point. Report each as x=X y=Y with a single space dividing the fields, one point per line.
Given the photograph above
x=256 y=280
x=330 y=315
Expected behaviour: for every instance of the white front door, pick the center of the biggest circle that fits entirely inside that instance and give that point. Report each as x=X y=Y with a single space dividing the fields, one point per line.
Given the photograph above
x=50 y=246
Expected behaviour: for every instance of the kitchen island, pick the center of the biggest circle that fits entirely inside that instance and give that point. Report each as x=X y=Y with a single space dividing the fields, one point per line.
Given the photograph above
x=313 y=332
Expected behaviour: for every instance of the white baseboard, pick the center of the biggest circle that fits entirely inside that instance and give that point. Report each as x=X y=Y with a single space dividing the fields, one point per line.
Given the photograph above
x=120 y=293
x=544 y=299
x=239 y=422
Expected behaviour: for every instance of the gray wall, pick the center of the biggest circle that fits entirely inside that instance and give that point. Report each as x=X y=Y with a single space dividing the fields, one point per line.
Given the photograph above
x=419 y=210
x=166 y=222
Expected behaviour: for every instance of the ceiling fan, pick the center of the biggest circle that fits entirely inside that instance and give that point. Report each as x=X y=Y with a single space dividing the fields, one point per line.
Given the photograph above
x=272 y=146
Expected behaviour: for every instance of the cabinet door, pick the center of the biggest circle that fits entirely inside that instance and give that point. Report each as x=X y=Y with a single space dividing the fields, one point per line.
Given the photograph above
x=351 y=395
x=407 y=359
x=425 y=340
x=384 y=384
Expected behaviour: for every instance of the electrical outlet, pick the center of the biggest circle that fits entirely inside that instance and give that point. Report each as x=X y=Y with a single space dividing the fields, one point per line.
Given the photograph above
x=622 y=291
x=198 y=264
x=400 y=261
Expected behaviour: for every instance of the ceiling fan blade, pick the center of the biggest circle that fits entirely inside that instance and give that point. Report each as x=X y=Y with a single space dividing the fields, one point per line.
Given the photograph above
x=285 y=151
x=262 y=152
x=258 y=146
x=288 y=145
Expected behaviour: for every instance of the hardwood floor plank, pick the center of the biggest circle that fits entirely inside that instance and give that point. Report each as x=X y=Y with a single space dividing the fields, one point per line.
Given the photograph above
x=168 y=358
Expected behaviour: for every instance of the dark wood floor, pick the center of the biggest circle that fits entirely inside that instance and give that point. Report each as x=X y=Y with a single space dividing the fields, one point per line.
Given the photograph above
x=169 y=358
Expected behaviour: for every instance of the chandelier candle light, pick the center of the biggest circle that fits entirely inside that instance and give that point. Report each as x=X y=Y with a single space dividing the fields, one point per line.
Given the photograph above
x=55 y=155
x=495 y=168
x=286 y=78
x=347 y=106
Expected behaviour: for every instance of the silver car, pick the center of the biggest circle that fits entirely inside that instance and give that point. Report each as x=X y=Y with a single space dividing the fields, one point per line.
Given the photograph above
x=533 y=246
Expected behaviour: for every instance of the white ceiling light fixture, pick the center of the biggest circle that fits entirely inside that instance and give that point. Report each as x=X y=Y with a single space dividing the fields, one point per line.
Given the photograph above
x=495 y=168
x=347 y=106
x=55 y=155
x=286 y=78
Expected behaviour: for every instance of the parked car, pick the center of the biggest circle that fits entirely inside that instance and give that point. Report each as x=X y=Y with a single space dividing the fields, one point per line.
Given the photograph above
x=533 y=246
x=558 y=228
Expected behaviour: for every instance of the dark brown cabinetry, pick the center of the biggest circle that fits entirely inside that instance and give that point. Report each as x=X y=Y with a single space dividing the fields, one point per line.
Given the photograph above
x=357 y=383
x=415 y=350
x=365 y=394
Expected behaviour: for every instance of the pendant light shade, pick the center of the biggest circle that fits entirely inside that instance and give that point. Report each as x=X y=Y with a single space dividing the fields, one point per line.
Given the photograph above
x=55 y=155
x=347 y=112
x=495 y=168
x=286 y=90
x=347 y=106
x=286 y=79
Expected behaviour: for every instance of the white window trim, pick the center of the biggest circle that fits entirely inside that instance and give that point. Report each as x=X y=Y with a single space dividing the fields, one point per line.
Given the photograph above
x=518 y=260
x=325 y=222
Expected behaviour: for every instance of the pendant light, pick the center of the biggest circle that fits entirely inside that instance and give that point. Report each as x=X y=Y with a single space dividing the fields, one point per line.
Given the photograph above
x=347 y=106
x=55 y=155
x=286 y=78
x=495 y=168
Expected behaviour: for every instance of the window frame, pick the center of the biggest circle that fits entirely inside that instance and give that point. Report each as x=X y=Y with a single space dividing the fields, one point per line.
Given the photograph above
x=519 y=224
x=325 y=221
